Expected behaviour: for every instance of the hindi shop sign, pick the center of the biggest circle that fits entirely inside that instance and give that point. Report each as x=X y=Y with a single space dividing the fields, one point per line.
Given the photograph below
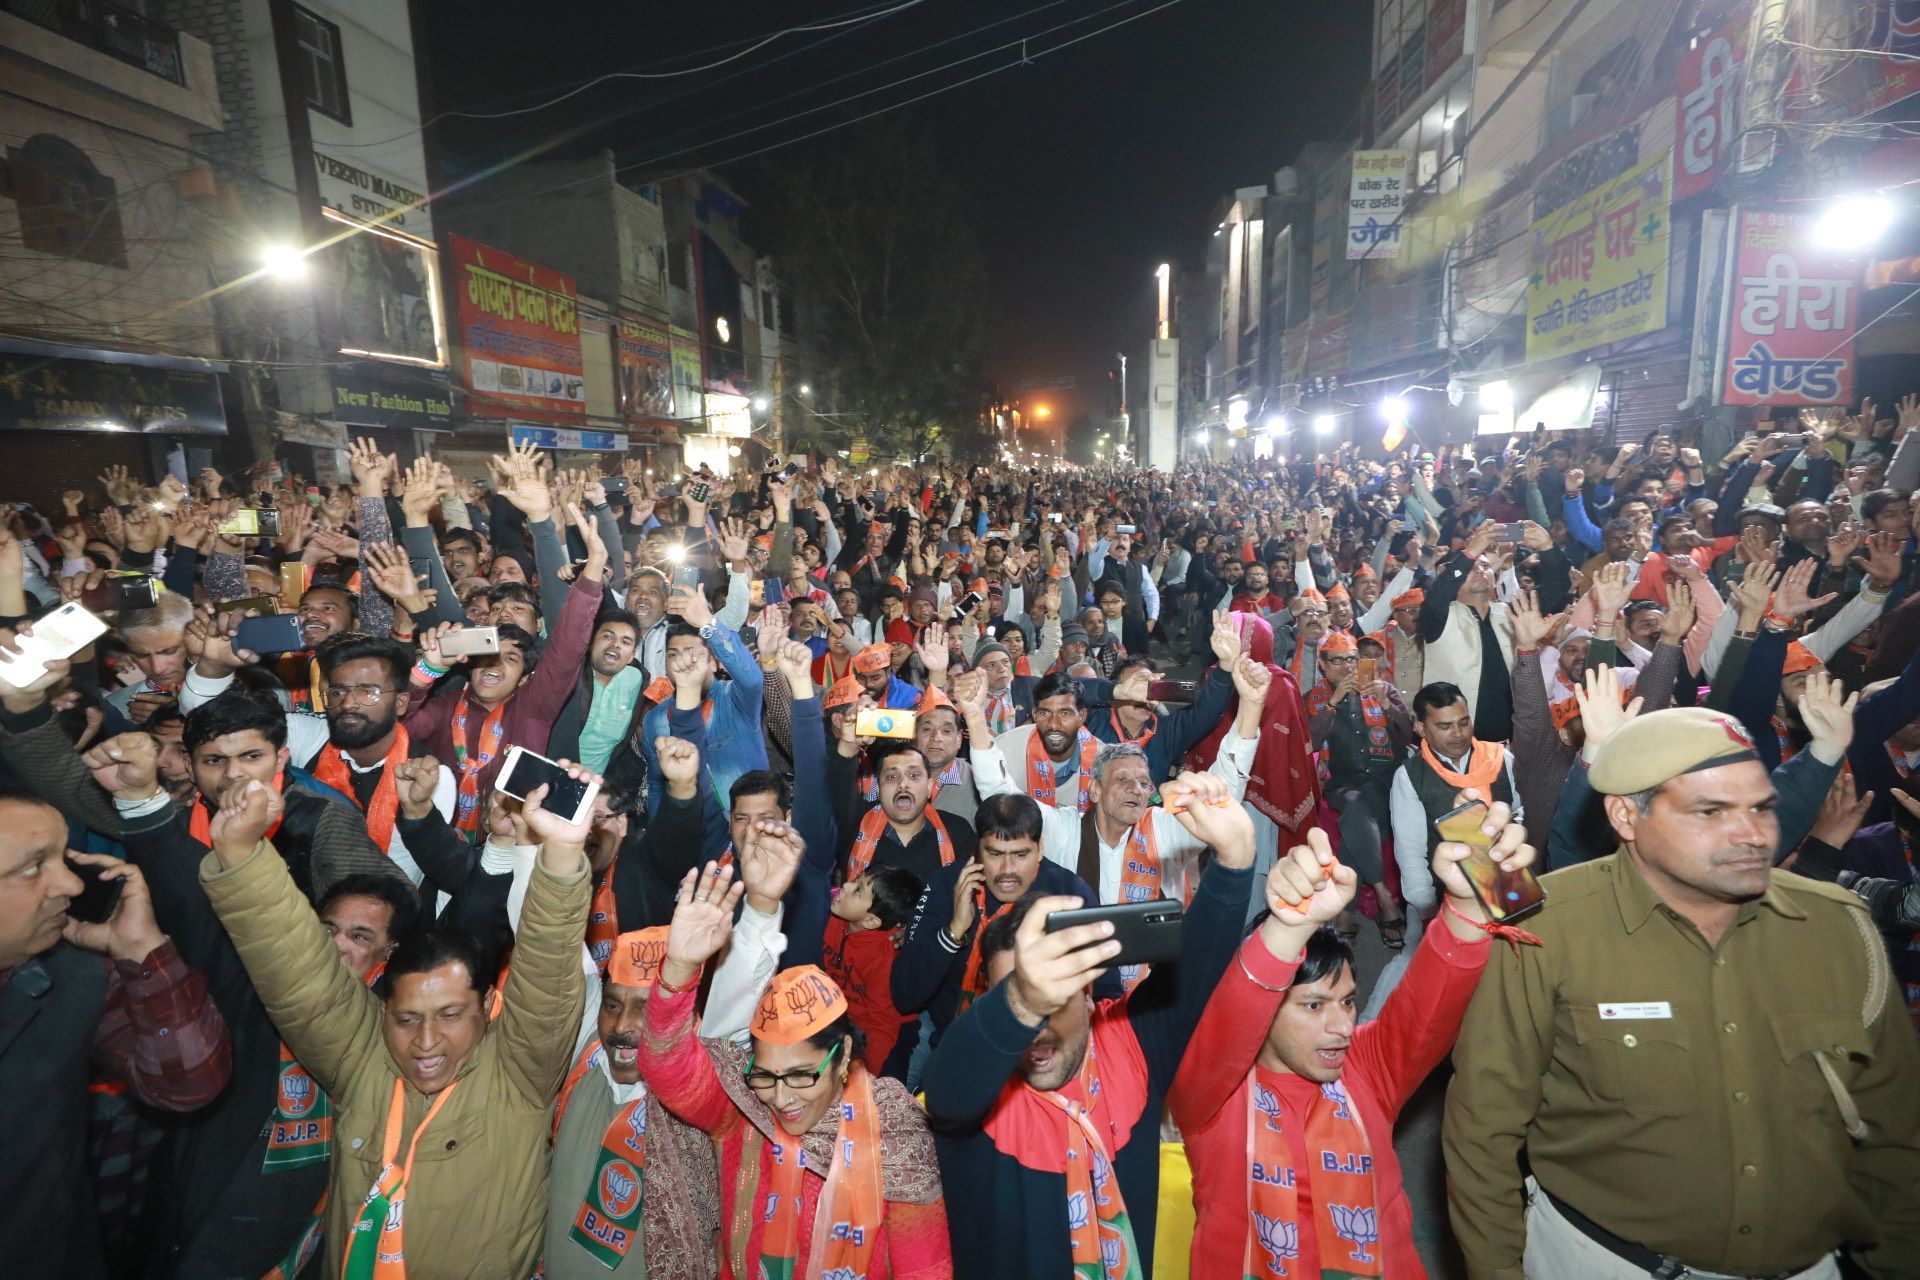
x=519 y=332
x=1708 y=82
x=1792 y=309
x=1374 y=201
x=1600 y=265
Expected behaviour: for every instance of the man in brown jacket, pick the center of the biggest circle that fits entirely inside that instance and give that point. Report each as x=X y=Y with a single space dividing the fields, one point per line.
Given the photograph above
x=468 y=1100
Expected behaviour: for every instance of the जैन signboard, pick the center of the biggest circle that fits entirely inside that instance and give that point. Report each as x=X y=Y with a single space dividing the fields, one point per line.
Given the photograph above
x=519 y=333
x=1374 y=201
x=1792 y=309
x=1599 y=264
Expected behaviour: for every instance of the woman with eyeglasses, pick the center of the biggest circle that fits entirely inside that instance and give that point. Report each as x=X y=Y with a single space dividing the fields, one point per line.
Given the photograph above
x=859 y=1192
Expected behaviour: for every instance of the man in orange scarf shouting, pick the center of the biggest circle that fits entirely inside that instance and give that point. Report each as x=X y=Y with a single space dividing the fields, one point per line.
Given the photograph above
x=1288 y=1106
x=1045 y=1104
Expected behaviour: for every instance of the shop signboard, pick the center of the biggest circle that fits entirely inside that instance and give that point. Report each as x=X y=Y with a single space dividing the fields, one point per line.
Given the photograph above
x=1792 y=309
x=1599 y=264
x=50 y=393
x=519 y=333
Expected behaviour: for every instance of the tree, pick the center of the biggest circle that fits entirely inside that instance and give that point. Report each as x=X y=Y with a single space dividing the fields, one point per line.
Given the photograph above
x=878 y=247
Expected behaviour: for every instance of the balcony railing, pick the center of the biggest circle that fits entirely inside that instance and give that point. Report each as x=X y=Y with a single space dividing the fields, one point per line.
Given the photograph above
x=119 y=33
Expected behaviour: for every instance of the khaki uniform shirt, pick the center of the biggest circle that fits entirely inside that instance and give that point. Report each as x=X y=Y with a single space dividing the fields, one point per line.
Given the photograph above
x=1669 y=1090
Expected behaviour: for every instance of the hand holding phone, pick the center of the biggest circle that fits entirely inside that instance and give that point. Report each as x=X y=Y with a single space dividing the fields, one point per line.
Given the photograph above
x=1494 y=869
x=568 y=798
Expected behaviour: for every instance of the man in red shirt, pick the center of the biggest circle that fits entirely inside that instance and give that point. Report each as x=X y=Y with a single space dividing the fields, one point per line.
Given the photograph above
x=1255 y=595
x=1288 y=1107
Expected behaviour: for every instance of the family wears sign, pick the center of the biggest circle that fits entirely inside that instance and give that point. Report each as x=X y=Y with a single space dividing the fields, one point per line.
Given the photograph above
x=1374 y=202
x=1599 y=269
x=1791 y=313
x=520 y=331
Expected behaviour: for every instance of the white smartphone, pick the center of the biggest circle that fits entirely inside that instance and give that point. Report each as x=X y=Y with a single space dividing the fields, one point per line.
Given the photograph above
x=61 y=634
x=471 y=641
x=567 y=797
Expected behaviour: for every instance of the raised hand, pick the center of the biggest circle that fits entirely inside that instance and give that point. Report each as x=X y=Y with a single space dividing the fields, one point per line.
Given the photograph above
x=1251 y=680
x=733 y=543
x=1827 y=712
x=392 y=572
x=966 y=892
x=1610 y=590
x=372 y=470
x=1841 y=813
x=769 y=856
x=126 y=766
x=1225 y=639
x=680 y=764
x=1790 y=599
x=1049 y=969
x=248 y=810
x=1529 y=628
x=1600 y=711
x=933 y=649
x=416 y=780
x=1753 y=592
x=1202 y=804
x=1680 y=613
x=1308 y=887
x=524 y=487
x=796 y=664
x=119 y=486
x=702 y=922
x=772 y=628
x=1883 y=562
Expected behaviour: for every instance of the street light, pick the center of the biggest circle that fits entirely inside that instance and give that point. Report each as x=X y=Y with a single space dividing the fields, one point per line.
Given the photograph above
x=760 y=403
x=805 y=390
x=1325 y=422
x=284 y=261
x=1394 y=408
x=1496 y=397
x=1853 y=223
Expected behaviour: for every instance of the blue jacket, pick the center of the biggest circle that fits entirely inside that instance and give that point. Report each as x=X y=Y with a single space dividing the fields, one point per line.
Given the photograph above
x=734 y=744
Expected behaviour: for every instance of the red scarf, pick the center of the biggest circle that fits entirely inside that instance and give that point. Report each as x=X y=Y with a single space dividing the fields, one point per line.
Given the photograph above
x=200 y=825
x=469 y=763
x=1040 y=768
x=1784 y=736
x=1284 y=784
x=1346 y=1217
x=874 y=825
x=1076 y=1130
x=384 y=809
x=973 y=985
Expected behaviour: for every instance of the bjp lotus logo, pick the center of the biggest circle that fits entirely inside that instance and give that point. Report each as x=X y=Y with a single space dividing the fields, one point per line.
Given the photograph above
x=298 y=1093
x=1267 y=1105
x=619 y=1188
x=1281 y=1240
x=1357 y=1227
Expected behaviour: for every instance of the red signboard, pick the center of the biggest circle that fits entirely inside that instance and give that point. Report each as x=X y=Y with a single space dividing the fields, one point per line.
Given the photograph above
x=519 y=335
x=1792 y=308
x=1704 y=109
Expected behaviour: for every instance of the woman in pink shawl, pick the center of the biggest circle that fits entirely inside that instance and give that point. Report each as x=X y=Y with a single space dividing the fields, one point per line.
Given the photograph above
x=1284 y=788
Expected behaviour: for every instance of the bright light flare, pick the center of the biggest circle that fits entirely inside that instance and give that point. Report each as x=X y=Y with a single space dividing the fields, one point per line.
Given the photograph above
x=1325 y=422
x=1853 y=223
x=284 y=261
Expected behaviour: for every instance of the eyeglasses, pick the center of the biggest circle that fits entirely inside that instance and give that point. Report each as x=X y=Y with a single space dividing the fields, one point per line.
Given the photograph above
x=362 y=693
x=763 y=1081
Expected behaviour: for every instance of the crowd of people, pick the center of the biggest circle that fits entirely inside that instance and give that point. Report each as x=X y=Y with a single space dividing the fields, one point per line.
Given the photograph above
x=297 y=980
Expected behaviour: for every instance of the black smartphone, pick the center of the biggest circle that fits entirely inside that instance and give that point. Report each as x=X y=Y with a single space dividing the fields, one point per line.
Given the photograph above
x=567 y=797
x=97 y=899
x=278 y=634
x=669 y=491
x=698 y=491
x=615 y=486
x=1148 y=932
x=788 y=472
x=1172 y=690
x=1509 y=532
x=1506 y=895
x=686 y=575
x=264 y=605
x=121 y=591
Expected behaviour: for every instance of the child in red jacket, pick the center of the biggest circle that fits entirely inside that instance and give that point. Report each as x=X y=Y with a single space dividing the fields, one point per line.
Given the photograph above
x=862 y=938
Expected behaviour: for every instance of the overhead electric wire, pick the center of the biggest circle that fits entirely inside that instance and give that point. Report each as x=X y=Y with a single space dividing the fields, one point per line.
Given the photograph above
x=685 y=71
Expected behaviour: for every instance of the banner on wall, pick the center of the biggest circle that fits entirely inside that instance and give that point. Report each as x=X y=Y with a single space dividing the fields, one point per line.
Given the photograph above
x=1374 y=201
x=567 y=438
x=519 y=333
x=38 y=393
x=1792 y=309
x=1599 y=264
x=685 y=347
x=646 y=370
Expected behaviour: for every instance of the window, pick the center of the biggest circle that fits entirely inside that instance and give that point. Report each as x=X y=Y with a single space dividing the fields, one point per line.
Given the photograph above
x=326 y=72
x=67 y=207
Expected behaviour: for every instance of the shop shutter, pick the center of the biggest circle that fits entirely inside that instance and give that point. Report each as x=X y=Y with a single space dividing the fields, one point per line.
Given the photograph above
x=1635 y=398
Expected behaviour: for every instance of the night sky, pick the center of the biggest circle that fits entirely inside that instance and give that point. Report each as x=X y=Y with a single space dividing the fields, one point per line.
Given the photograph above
x=1088 y=167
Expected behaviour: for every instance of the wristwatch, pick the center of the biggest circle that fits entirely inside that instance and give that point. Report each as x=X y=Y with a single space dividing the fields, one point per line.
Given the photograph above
x=706 y=631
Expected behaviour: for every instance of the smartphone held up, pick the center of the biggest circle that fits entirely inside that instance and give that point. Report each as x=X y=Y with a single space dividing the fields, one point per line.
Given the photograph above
x=1504 y=895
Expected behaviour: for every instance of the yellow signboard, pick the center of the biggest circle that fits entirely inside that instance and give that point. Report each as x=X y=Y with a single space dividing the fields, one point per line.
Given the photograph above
x=1599 y=264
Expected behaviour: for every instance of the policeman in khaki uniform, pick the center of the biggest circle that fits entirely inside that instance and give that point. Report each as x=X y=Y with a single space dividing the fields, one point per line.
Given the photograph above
x=1706 y=1061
